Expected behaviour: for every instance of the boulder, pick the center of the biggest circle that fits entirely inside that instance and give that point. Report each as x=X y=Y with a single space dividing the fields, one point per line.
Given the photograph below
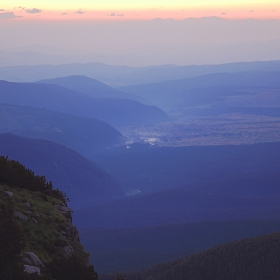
x=10 y=194
x=32 y=269
x=20 y=215
x=27 y=204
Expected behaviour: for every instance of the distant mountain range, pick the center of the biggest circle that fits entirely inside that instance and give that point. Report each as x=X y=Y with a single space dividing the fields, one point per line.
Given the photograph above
x=117 y=112
x=118 y=76
x=80 y=178
x=219 y=89
x=83 y=134
x=91 y=87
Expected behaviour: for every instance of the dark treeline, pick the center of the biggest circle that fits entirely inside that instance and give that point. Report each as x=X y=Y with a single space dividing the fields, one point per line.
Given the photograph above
x=15 y=174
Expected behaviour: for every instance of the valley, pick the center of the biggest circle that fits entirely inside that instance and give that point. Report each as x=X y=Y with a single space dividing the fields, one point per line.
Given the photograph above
x=226 y=129
x=162 y=163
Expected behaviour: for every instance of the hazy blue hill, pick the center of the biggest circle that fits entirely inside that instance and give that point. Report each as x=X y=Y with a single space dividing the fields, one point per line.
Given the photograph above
x=137 y=248
x=82 y=134
x=91 y=87
x=117 y=112
x=174 y=207
x=241 y=169
x=206 y=89
x=118 y=76
x=219 y=182
x=229 y=96
x=79 y=177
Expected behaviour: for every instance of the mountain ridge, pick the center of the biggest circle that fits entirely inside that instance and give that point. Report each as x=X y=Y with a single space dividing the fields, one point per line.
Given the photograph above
x=117 y=112
x=83 y=134
x=83 y=180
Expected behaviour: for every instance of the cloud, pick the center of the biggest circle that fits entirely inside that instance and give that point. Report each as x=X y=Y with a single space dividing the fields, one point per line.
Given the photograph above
x=112 y=15
x=33 y=11
x=223 y=13
x=8 y=15
x=80 y=12
x=64 y=14
x=2 y=10
x=120 y=15
x=251 y=11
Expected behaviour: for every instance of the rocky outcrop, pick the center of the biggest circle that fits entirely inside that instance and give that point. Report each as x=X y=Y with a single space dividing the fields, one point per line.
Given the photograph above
x=68 y=251
x=39 y=221
x=66 y=211
x=32 y=263
x=71 y=233
x=31 y=259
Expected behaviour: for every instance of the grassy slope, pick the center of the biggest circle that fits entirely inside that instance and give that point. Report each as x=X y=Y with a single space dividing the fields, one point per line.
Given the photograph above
x=45 y=239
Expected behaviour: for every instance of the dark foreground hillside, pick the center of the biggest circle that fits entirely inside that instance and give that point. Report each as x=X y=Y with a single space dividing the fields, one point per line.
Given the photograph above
x=248 y=259
x=37 y=237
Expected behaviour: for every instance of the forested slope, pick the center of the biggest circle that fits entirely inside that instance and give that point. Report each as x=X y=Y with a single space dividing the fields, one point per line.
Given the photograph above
x=248 y=259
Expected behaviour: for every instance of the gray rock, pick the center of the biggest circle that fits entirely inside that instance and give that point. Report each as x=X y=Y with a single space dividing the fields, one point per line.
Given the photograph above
x=27 y=261
x=10 y=194
x=27 y=204
x=32 y=269
x=34 y=259
x=34 y=220
x=20 y=215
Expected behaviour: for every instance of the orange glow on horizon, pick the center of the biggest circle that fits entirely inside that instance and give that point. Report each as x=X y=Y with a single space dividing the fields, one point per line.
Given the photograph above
x=126 y=15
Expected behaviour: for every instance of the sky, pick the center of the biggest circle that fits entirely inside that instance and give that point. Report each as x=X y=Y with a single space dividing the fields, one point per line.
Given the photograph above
x=140 y=10
x=138 y=33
